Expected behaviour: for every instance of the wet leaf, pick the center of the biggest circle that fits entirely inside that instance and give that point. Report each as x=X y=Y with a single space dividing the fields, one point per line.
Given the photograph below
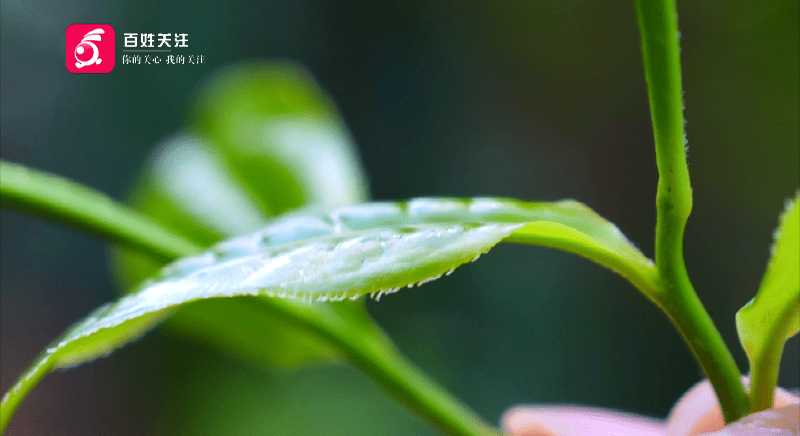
x=375 y=248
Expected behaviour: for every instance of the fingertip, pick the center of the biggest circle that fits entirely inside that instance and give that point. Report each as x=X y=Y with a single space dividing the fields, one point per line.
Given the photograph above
x=785 y=398
x=522 y=421
x=696 y=412
x=576 y=420
x=511 y=417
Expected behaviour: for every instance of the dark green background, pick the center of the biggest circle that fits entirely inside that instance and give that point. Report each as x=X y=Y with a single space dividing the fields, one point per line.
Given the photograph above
x=537 y=100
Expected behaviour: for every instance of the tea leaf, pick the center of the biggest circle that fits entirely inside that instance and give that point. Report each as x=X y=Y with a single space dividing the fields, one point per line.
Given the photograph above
x=773 y=316
x=374 y=248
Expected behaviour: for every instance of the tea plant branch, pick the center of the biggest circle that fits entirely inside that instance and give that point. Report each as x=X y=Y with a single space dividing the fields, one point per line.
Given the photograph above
x=67 y=202
x=658 y=25
x=449 y=232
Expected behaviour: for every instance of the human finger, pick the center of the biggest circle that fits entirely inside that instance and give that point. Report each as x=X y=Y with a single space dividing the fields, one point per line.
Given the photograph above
x=781 y=421
x=698 y=411
x=577 y=421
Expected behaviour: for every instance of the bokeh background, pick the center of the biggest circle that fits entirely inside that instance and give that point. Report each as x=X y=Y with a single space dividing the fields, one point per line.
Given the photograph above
x=537 y=100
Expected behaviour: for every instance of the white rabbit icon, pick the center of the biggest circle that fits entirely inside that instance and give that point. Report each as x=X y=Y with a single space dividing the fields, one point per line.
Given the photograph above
x=86 y=42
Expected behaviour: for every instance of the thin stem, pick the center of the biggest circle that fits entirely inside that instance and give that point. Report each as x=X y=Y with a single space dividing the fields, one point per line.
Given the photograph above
x=374 y=353
x=367 y=348
x=764 y=371
x=658 y=25
x=12 y=399
x=61 y=200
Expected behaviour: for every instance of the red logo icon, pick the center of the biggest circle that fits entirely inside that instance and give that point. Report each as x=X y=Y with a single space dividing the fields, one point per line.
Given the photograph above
x=90 y=48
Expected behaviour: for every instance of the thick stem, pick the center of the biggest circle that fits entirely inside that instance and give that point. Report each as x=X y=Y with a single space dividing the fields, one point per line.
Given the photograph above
x=658 y=25
x=698 y=331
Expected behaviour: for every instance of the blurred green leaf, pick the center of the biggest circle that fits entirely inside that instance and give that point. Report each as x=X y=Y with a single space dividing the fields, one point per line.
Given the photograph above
x=267 y=140
x=186 y=187
x=281 y=135
x=773 y=316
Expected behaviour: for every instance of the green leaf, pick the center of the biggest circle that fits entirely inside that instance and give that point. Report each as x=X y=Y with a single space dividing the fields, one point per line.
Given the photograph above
x=374 y=249
x=773 y=316
x=265 y=139
x=187 y=187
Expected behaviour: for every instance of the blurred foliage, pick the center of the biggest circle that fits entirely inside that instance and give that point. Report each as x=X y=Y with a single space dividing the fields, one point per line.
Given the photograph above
x=250 y=157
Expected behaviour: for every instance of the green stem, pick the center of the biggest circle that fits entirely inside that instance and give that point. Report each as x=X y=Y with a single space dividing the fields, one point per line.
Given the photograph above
x=12 y=399
x=698 y=331
x=61 y=200
x=764 y=371
x=371 y=351
x=374 y=353
x=378 y=357
x=658 y=25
